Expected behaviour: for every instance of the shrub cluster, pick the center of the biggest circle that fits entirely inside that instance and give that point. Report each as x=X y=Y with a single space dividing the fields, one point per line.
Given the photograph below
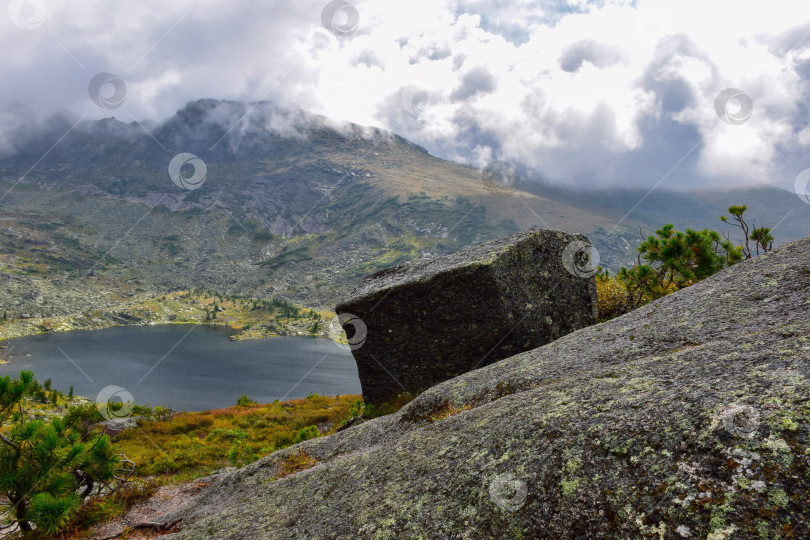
x=671 y=260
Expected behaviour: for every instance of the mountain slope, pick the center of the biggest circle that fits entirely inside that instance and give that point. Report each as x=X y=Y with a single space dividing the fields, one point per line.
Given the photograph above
x=687 y=418
x=293 y=206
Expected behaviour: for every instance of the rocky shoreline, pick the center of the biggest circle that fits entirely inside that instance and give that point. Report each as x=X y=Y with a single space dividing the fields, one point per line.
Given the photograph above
x=173 y=309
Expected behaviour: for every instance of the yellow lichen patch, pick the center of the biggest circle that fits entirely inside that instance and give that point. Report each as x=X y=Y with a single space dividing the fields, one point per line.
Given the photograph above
x=723 y=533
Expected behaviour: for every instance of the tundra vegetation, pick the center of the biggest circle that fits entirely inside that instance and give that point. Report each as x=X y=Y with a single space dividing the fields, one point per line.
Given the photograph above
x=58 y=467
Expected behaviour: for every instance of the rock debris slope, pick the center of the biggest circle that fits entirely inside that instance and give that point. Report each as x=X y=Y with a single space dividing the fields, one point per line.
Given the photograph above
x=687 y=418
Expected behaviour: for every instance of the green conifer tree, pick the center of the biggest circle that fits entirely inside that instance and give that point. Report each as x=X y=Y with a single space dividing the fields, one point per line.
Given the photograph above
x=46 y=470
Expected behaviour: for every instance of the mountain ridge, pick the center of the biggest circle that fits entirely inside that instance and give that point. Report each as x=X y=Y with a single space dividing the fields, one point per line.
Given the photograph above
x=293 y=206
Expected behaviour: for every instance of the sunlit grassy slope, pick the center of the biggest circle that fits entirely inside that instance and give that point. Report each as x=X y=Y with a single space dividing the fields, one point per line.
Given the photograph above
x=203 y=441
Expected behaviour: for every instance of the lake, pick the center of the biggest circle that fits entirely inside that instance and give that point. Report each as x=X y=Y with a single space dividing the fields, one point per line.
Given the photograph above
x=184 y=366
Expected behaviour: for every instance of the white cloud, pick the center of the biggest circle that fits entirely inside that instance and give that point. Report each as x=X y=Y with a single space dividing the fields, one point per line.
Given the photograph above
x=605 y=93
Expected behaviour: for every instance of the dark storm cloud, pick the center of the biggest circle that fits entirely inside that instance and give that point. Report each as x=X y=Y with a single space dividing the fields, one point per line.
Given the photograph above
x=168 y=54
x=471 y=80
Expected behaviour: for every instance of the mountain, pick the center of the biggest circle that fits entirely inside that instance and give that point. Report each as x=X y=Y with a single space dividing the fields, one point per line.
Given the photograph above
x=687 y=418
x=292 y=205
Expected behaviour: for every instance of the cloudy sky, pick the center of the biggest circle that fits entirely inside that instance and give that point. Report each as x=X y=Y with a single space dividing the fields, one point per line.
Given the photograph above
x=583 y=93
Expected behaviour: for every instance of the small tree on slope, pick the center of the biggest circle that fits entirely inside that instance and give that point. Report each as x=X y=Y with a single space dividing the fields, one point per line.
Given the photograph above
x=672 y=260
x=762 y=237
x=46 y=470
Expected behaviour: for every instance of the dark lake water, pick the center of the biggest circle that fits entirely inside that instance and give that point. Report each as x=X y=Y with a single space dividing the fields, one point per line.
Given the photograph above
x=184 y=366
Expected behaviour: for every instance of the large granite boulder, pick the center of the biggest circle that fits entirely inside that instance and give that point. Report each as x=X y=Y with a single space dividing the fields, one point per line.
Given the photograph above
x=413 y=326
x=688 y=418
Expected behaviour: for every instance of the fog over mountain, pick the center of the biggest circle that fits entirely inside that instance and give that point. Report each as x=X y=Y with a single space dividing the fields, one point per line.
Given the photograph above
x=272 y=201
x=609 y=93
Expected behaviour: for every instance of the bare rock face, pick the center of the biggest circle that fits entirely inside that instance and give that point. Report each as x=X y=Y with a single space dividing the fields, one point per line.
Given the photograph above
x=413 y=326
x=686 y=418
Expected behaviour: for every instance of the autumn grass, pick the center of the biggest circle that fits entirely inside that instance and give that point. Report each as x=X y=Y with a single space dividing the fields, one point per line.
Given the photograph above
x=447 y=410
x=101 y=509
x=390 y=407
x=612 y=296
x=199 y=443
x=295 y=462
x=191 y=445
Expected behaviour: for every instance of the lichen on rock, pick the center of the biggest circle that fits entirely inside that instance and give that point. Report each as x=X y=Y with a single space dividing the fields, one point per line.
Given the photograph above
x=585 y=437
